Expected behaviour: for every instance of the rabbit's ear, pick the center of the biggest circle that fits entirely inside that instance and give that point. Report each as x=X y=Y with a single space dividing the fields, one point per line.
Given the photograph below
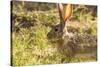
x=67 y=11
x=60 y=8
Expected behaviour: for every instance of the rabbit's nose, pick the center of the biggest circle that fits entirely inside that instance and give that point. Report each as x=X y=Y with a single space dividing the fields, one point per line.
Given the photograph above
x=48 y=35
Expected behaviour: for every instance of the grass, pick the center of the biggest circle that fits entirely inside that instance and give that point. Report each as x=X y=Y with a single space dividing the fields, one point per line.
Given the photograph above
x=30 y=45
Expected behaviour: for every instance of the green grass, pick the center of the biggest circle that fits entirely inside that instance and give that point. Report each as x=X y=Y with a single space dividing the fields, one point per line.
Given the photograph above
x=30 y=45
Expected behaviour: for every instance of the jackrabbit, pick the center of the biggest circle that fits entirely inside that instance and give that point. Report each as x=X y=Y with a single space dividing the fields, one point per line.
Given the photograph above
x=69 y=43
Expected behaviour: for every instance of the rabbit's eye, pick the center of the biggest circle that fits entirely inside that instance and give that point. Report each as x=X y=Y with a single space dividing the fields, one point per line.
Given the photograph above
x=56 y=29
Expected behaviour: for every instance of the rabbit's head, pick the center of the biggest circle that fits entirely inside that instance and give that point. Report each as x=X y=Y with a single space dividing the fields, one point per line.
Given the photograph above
x=58 y=31
x=55 y=32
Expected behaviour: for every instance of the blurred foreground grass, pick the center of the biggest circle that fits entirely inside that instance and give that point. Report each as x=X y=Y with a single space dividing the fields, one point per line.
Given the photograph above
x=30 y=26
